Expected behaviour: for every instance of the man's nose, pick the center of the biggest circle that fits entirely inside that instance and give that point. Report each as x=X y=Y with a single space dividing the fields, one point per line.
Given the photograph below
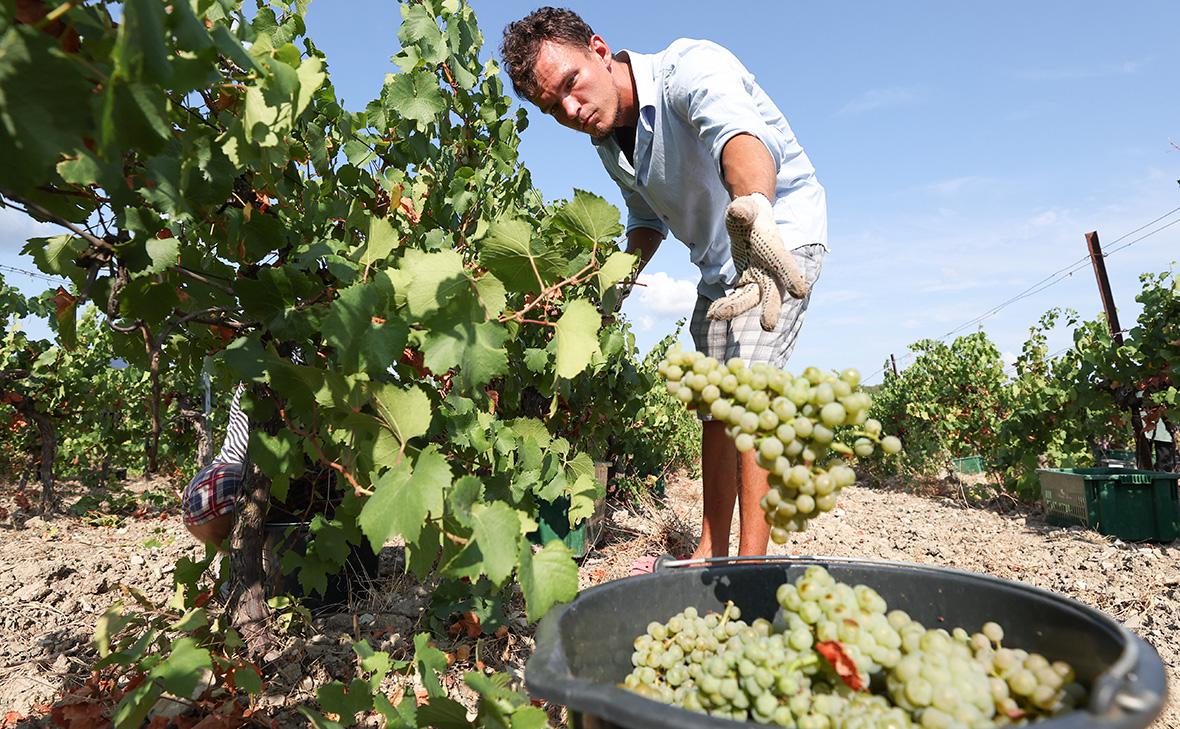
x=570 y=107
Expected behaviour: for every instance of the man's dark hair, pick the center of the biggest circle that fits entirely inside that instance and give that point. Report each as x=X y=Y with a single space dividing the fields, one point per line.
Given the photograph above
x=522 y=40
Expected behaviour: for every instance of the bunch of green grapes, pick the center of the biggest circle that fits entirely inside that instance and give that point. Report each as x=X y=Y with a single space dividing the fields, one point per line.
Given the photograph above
x=836 y=657
x=1023 y=683
x=801 y=428
x=855 y=617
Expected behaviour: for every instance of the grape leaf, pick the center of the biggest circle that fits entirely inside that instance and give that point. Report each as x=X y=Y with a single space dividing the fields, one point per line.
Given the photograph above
x=548 y=577
x=184 y=668
x=509 y=251
x=414 y=95
x=616 y=268
x=589 y=217
x=404 y=413
x=577 y=338
x=496 y=529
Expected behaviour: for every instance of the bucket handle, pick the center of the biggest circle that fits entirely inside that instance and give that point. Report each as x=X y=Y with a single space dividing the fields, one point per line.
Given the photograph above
x=1117 y=686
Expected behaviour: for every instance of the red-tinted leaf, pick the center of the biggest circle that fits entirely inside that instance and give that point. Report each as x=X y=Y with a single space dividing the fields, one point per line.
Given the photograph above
x=11 y=719
x=63 y=300
x=845 y=668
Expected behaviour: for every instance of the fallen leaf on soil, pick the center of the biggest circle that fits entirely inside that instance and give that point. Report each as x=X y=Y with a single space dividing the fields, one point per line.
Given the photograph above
x=10 y=719
x=469 y=622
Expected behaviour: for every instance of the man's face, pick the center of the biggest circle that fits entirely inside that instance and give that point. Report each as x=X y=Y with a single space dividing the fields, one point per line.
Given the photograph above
x=576 y=86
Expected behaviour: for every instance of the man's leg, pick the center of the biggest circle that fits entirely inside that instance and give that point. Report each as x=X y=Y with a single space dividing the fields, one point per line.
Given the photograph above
x=756 y=345
x=719 y=484
x=754 y=532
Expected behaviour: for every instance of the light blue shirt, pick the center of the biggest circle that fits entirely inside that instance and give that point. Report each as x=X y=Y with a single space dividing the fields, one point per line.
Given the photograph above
x=694 y=97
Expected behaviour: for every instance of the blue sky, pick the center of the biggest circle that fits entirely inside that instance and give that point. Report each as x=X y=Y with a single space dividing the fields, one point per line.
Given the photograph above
x=966 y=148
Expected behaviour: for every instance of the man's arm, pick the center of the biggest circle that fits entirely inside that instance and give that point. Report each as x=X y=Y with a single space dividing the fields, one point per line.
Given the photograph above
x=747 y=167
x=643 y=242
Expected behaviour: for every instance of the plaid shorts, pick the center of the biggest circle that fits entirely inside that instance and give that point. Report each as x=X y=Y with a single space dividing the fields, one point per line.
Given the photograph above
x=744 y=337
x=211 y=493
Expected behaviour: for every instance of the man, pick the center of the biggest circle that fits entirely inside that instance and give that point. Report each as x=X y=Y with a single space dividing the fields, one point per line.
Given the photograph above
x=209 y=499
x=694 y=144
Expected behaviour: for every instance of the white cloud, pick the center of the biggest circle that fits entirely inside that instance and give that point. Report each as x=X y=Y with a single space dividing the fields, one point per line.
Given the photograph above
x=953 y=185
x=1125 y=68
x=662 y=295
x=16 y=228
x=884 y=98
x=1046 y=218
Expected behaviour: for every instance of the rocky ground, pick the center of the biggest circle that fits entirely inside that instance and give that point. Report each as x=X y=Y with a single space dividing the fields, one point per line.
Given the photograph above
x=58 y=575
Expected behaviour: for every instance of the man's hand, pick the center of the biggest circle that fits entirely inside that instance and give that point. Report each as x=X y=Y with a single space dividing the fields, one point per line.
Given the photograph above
x=612 y=298
x=765 y=265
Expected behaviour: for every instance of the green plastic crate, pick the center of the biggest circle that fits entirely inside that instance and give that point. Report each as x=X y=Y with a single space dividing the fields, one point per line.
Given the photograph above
x=554 y=522
x=1114 y=454
x=1120 y=502
x=968 y=466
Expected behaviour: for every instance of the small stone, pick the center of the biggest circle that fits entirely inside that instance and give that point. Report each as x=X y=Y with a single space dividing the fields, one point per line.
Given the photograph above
x=136 y=559
x=367 y=619
x=31 y=592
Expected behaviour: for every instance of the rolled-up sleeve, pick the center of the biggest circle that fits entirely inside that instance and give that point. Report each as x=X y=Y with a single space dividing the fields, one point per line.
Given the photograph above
x=710 y=89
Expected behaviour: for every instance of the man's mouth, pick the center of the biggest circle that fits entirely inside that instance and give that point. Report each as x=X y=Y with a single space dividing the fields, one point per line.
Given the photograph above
x=590 y=120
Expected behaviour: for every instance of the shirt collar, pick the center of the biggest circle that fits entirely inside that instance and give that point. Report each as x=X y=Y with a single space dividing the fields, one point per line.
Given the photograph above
x=643 y=71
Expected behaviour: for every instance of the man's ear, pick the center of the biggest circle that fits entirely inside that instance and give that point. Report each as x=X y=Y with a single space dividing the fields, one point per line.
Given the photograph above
x=599 y=48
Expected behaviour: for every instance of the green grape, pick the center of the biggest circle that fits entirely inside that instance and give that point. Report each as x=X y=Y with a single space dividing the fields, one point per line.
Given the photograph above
x=744 y=442
x=749 y=422
x=823 y=394
x=767 y=421
x=785 y=433
x=822 y=434
x=783 y=408
x=743 y=393
x=891 y=444
x=720 y=409
x=770 y=449
x=833 y=414
x=710 y=394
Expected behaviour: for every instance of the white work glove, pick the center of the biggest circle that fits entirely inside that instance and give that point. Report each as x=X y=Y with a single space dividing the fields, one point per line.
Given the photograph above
x=763 y=263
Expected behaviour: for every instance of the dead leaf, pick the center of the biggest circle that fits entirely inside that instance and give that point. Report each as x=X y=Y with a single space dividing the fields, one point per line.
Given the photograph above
x=844 y=666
